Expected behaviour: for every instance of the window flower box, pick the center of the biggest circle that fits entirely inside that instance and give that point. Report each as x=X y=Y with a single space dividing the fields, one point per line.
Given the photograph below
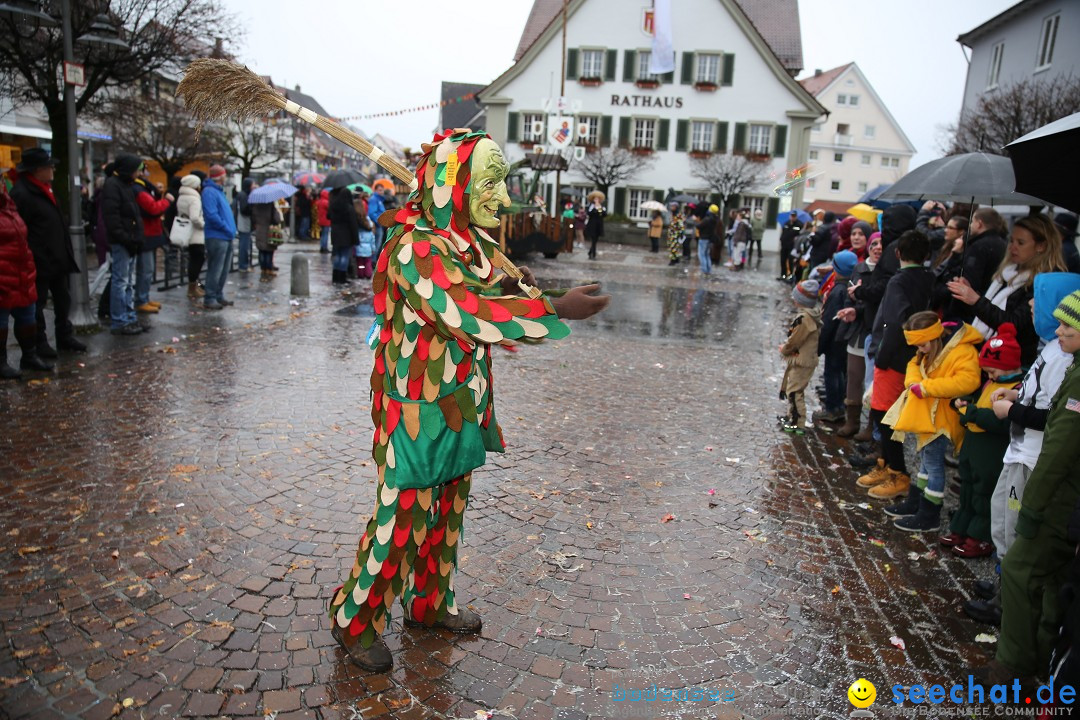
x=590 y=149
x=702 y=154
x=759 y=157
x=646 y=83
x=590 y=81
x=642 y=150
x=706 y=86
x=527 y=144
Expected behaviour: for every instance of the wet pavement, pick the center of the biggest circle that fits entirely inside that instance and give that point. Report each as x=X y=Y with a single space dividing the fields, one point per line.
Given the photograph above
x=179 y=507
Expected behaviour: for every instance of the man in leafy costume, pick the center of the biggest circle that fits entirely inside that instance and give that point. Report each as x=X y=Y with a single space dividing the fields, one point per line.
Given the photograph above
x=440 y=306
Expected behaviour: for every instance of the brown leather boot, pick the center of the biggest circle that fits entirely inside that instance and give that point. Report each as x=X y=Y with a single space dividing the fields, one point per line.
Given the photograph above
x=466 y=621
x=851 y=421
x=864 y=435
x=376 y=658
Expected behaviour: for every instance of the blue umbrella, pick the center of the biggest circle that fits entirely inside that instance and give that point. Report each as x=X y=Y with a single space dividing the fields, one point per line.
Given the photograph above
x=804 y=217
x=270 y=193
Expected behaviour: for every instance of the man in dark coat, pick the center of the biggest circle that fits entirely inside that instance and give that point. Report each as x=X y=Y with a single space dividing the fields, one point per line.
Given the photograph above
x=788 y=233
x=49 y=241
x=821 y=244
x=124 y=228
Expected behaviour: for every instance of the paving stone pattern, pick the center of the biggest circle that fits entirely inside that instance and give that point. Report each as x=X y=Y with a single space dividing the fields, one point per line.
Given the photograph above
x=176 y=516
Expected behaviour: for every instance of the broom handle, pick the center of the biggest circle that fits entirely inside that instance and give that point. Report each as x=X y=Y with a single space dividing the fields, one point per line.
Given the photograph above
x=396 y=169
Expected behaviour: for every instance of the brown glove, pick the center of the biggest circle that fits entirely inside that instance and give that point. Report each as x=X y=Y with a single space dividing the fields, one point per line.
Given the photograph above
x=510 y=286
x=579 y=303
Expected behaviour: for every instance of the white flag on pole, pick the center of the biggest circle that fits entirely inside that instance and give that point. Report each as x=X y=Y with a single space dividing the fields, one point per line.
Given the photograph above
x=662 y=58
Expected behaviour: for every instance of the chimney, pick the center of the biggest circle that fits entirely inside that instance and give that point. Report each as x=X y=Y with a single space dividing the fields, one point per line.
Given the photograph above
x=297 y=87
x=219 y=49
x=817 y=71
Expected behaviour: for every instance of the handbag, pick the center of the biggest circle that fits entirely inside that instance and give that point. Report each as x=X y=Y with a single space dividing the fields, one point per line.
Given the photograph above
x=275 y=235
x=181 y=231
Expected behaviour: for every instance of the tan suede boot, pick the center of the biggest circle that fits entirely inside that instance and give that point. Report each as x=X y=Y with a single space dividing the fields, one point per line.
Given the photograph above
x=896 y=485
x=876 y=476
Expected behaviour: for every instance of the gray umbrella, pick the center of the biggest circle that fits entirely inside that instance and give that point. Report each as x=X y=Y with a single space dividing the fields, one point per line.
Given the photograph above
x=682 y=198
x=341 y=178
x=1043 y=161
x=970 y=178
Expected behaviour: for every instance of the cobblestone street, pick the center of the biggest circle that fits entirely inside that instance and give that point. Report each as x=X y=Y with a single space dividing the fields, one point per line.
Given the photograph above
x=179 y=508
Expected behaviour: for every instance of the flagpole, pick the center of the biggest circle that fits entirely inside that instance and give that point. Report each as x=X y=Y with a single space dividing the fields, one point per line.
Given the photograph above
x=556 y=206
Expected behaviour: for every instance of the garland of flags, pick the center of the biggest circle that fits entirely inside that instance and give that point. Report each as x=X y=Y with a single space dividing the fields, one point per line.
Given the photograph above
x=420 y=108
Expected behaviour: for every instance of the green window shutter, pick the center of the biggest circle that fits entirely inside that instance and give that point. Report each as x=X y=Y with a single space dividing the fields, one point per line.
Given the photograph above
x=687 y=68
x=572 y=64
x=620 y=201
x=740 y=139
x=549 y=190
x=733 y=203
x=780 y=141
x=605 y=131
x=715 y=199
x=624 y=132
x=658 y=195
x=629 y=63
x=668 y=77
x=682 y=133
x=721 y=137
x=609 y=66
x=729 y=69
x=772 y=207
x=513 y=120
x=662 y=134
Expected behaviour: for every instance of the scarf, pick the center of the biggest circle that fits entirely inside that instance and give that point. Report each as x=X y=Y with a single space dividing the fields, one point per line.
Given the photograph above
x=1009 y=281
x=47 y=189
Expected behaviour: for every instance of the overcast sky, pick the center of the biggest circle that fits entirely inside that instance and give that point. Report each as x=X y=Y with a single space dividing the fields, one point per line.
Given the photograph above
x=360 y=56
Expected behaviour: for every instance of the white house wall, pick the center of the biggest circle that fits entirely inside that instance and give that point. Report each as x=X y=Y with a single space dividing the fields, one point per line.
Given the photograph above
x=756 y=95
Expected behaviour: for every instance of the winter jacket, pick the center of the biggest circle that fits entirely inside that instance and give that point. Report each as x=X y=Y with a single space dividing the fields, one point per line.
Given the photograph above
x=895 y=221
x=909 y=291
x=241 y=209
x=953 y=373
x=757 y=228
x=152 y=210
x=219 y=218
x=833 y=340
x=982 y=257
x=978 y=415
x=1053 y=489
x=800 y=348
x=856 y=331
x=821 y=245
x=17 y=272
x=656 y=227
x=123 y=218
x=189 y=205
x=344 y=224
x=594 y=226
x=322 y=205
x=376 y=207
x=263 y=215
x=47 y=231
x=303 y=204
x=936 y=235
x=1017 y=311
x=789 y=232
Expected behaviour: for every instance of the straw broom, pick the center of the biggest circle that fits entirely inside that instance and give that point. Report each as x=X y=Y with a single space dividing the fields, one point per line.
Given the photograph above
x=216 y=90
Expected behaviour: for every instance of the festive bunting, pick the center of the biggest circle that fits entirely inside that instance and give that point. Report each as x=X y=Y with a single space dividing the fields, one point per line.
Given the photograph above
x=420 y=108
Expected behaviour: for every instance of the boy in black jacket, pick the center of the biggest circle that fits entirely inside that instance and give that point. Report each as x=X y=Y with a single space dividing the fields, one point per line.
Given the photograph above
x=909 y=291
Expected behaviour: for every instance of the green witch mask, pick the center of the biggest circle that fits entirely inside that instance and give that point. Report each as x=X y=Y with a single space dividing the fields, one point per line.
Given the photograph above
x=487 y=191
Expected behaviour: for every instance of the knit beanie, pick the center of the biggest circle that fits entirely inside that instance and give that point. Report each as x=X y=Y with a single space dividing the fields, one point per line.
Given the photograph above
x=1002 y=351
x=844 y=263
x=1050 y=290
x=1068 y=311
x=805 y=293
x=216 y=171
x=873 y=236
x=865 y=227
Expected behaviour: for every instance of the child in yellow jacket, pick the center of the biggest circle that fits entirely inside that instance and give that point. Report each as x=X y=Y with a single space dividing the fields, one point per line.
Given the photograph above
x=945 y=367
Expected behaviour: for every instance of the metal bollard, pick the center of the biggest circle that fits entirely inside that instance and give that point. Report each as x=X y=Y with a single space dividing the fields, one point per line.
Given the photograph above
x=300 y=278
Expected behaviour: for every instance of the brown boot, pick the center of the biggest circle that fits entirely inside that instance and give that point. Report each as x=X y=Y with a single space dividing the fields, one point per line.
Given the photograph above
x=851 y=421
x=376 y=658
x=896 y=485
x=466 y=621
x=876 y=476
x=194 y=292
x=864 y=435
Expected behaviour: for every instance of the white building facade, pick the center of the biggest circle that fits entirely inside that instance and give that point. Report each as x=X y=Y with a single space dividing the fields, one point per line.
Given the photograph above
x=860 y=146
x=731 y=92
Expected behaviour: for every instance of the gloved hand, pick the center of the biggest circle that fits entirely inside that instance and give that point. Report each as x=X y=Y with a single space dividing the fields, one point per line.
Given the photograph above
x=916 y=390
x=579 y=303
x=510 y=286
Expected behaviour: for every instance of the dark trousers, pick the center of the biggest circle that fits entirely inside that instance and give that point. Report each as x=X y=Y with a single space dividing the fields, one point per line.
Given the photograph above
x=750 y=251
x=785 y=258
x=57 y=286
x=835 y=379
x=196 y=258
x=891 y=450
x=592 y=246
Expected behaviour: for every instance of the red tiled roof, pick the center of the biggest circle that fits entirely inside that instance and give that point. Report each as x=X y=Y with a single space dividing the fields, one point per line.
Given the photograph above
x=839 y=207
x=776 y=20
x=816 y=83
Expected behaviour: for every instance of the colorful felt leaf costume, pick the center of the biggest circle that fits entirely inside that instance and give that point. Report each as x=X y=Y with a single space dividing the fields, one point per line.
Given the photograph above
x=440 y=307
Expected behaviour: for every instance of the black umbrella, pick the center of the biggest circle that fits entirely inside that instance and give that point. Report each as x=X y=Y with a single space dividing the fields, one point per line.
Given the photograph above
x=682 y=198
x=1043 y=160
x=969 y=178
x=572 y=192
x=341 y=178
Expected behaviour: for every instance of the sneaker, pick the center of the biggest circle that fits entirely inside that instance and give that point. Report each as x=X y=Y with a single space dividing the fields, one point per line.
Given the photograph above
x=909 y=506
x=895 y=485
x=952 y=540
x=129 y=329
x=212 y=305
x=829 y=416
x=984 y=611
x=793 y=429
x=227 y=303
x=147 y=308
x=986 y=589
x=973 y=548
x=878 y=475
x=376 y=658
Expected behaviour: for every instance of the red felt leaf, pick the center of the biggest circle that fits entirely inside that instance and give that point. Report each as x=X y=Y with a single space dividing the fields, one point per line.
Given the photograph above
x=406 y=498
x=421 y=248
x=393 y=414
x=401 y=535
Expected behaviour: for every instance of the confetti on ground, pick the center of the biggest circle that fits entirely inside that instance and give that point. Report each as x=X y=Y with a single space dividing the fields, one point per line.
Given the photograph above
x=708 y=448
x=712 y=491
x=836 y=589
x=876 y=542
x=750 y=510
x=913 y=556
x=929 y=555
x=731 y=460
x=686 y=596
x=888 y=567
x=985 y=638
x=819 y=505
x=864 y=506
x=667 y=518
x=898 y=642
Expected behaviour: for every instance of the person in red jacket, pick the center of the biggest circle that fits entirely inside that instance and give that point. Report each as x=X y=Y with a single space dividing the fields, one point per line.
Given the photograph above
x=322 y=207
x=18 y=290
x=152 y=207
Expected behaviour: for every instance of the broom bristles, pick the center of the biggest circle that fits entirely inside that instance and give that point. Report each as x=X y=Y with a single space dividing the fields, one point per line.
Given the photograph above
x=215 y=90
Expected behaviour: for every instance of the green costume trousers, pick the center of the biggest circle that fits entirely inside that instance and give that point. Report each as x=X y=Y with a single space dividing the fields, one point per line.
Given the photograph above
x=979 y=467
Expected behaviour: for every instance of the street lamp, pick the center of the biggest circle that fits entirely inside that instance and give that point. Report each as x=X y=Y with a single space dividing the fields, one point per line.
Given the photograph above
x=102 y=33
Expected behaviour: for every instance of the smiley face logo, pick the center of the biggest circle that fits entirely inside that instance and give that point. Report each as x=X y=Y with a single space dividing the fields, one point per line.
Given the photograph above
x=862 y=693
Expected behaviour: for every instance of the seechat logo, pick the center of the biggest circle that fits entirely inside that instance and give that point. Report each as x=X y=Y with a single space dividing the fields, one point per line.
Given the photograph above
x=862 y=694
x=975 y=692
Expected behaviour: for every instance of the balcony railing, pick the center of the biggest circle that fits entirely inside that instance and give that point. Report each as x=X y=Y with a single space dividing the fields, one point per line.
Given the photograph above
x=843 y=140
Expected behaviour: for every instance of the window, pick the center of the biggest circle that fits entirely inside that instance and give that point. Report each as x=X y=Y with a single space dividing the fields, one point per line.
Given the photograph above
x=838 y=157
x=592 y=63
x=644 y=133
x=708 y=69
x=843 y=129
x=870 y=131
x=530 y=124
x=643 y=57
x=834 y=186
x=754 y=203
x=592 y=137
x=701 y=135
x=863 y=187
x=636 y=198
x=887 y=161
x=760 y=140
x=1047 y=40
x=995 y=65
x=811 y=184
x=816 y=127
x=866 y=160
x=853 y=100
x=813 y=154
x=841 y=99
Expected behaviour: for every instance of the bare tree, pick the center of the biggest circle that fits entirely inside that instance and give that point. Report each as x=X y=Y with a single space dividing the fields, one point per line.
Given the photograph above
x=162 y=131
x=730 y=175
x=611 y=166
x=254 y=145
x=157 y=32
x=1011 y=112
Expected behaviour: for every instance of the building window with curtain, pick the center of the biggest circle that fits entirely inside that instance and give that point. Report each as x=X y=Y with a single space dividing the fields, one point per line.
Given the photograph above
x=708 y=68
x=760 y=140
x=1046 y=41
x=702 y=136
x=592 y=63
x=636 y=198
x=644 y=133
x=529 y=126
x=592 y=136
x=643 y=57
